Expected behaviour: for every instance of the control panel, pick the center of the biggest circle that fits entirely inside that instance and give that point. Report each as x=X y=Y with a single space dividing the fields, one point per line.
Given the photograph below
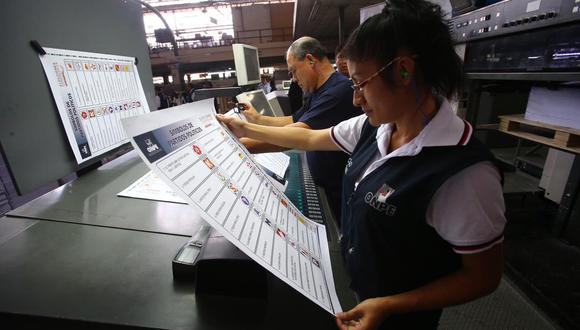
x=302 y=190
x=512 y=16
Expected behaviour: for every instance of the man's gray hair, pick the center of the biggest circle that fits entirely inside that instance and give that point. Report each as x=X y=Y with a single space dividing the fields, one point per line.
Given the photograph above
x=307 y=45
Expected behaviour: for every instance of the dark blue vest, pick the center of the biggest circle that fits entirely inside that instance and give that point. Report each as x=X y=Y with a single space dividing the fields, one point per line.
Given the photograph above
x=387 y=244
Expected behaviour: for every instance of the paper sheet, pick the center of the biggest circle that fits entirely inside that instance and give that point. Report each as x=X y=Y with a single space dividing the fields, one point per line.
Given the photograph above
x=277 y=162
x=151 y=187
x=207 y=167
x=93 y=92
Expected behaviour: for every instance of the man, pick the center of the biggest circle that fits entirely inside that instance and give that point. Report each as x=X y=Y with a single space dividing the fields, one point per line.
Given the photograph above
x=330 y=102
x=341 y=62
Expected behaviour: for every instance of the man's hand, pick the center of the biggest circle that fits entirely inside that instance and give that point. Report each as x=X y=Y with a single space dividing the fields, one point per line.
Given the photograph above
x=368 y=315
x=251 y=114
x=237 y=126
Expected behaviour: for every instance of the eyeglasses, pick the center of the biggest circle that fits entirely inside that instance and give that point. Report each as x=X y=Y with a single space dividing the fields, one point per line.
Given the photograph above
x=361 y=85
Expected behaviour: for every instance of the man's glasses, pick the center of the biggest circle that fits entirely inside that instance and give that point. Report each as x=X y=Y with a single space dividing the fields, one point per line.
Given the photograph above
x=361 y=85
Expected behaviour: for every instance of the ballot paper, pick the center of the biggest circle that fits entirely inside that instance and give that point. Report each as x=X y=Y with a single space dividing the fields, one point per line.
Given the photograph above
x=207 y=166
x=93 y=92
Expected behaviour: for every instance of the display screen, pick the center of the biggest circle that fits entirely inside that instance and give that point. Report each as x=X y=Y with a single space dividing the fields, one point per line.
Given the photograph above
x=252 y=66
x=260 y=103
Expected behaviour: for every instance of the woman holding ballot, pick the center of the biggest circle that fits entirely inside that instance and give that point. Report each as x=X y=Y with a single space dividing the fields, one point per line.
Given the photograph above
x=422 y=207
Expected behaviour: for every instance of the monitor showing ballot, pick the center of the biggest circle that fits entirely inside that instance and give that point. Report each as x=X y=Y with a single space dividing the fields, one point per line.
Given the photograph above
x=258 y=100
x=247 y=64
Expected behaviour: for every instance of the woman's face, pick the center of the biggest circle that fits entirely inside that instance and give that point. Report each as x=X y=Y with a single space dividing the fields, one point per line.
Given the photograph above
x=377 y=100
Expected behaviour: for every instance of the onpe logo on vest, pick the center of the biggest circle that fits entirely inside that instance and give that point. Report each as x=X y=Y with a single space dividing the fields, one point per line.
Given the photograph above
x=378 y=200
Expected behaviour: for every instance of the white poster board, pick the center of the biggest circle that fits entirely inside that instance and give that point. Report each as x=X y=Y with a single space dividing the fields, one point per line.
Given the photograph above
x=93 y=92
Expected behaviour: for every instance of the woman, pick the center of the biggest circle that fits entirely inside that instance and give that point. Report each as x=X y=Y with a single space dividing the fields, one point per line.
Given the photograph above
x=422 y=201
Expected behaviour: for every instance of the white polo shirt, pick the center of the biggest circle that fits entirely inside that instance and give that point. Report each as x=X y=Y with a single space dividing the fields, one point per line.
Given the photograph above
x=468 y=209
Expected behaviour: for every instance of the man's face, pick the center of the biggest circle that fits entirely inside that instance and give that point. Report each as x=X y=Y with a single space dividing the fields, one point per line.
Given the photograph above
x=341 y=65
x=302 y=72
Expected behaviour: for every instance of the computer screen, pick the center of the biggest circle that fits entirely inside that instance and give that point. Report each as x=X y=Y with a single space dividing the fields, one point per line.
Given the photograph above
x=247 y=64
x=258 y=100
x=286 y=84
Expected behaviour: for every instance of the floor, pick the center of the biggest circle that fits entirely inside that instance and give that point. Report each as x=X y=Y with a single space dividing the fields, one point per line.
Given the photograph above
x=541 y=284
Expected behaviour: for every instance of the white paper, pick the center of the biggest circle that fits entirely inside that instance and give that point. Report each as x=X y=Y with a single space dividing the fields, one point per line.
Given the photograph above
x=93 y=92
x=276 y=162
x=206 y=166
x=151 y=187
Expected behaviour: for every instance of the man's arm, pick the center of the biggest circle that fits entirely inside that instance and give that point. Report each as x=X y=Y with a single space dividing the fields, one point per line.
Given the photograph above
x=255 y=117
x=479 y=275
x=294 y=136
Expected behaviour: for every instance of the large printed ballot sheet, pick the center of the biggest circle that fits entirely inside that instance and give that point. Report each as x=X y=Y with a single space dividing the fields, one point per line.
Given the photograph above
x=93 y=92
x=205 y=165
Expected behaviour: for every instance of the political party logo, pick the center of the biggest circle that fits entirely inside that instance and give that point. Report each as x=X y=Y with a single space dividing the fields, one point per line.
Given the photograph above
x=284 y=202
x=87 y=67
x=208 y=163
x=196 y=149
x=125 y=106
x=241 y=155
x=110 y=109
x=117 y=67
x=258 y=213
x=138 y=103
x=92 y=113
x=126 y=68
x=221 y=176
x=84 y=115
x=69 y=66
x=316 y=262
x=232 y=188
x=268 y=222
x=281 y=233
x=292 y=243
x=245 y=200
x=305 y=253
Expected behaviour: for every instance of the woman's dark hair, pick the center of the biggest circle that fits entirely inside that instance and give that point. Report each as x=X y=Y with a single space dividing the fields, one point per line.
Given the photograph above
x=418 y=27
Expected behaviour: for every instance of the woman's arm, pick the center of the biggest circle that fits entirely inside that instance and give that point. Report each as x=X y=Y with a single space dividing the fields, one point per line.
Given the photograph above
x=292 y=137
x=479 y=275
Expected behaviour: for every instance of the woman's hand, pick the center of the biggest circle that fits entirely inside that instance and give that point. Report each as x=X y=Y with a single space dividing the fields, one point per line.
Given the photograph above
x=368 y=315
x=237 y=126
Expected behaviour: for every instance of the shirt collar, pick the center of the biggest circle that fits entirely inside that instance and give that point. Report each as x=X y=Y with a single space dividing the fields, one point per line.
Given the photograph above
x=445 y=129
